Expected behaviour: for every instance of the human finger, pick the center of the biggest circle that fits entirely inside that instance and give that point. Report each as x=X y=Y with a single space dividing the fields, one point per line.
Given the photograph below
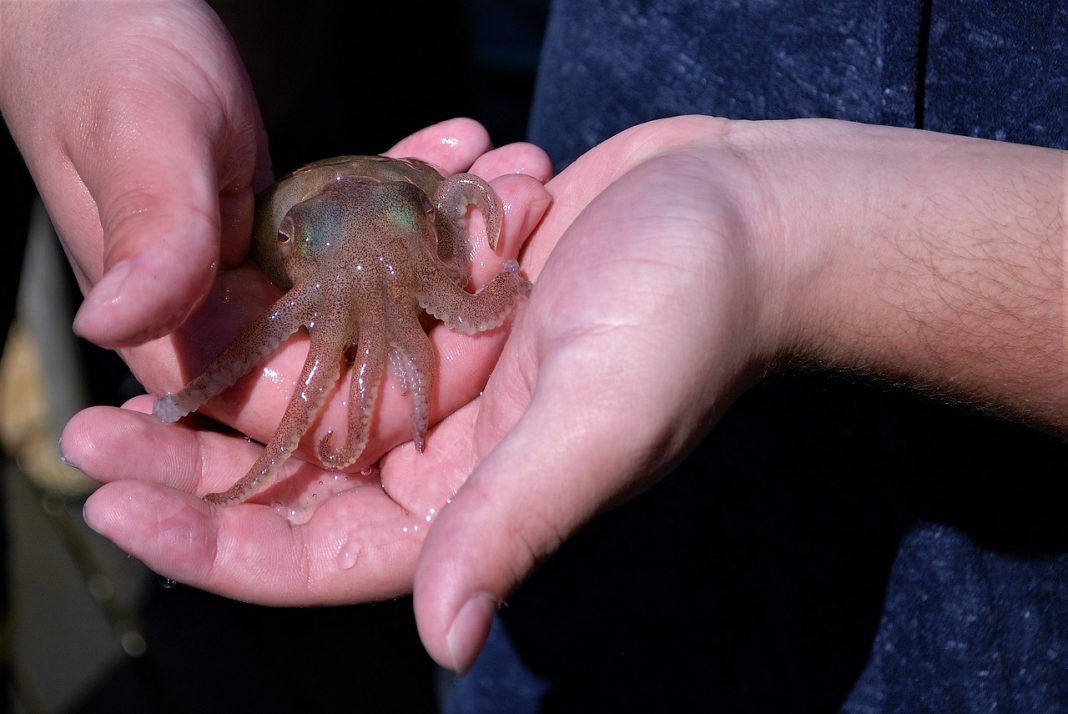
x=451 y=145
x=355 y=549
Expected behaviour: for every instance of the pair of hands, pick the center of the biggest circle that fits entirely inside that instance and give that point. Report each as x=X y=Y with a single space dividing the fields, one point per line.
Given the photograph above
x=148 y=169
x=676 y=262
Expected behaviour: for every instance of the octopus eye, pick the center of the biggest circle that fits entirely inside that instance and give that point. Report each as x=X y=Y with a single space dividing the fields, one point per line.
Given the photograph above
x=285 y=236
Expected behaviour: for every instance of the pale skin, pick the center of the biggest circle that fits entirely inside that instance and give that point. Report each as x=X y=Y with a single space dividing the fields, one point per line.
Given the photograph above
x=679 y=261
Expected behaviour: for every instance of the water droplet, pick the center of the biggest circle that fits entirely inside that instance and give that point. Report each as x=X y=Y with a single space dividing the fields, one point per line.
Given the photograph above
x=348 y=555
x=290 y=513
x=367 y=470
x=167 y=583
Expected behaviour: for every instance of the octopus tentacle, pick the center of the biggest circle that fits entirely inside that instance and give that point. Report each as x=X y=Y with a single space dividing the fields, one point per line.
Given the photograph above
x=259 y=339
x=366 y=241
x=370 y=363
x=317 y=378
x=412 y=363
x=454 y=195
x=469 y=313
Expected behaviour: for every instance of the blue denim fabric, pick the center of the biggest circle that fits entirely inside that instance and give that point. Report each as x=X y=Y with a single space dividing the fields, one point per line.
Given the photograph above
x=965 y=629
x=832 y=544
x=500 y=683
x=993 y=69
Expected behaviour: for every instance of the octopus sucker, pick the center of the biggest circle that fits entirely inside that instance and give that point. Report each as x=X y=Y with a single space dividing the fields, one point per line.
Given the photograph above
x=362 y=247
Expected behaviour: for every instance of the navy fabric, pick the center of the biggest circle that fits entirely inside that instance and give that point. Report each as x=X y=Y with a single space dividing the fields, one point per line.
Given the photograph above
x=998 y=70
x=968 y=630
x=832 y=544
x=608 y=65
x=990 y=69
x=501 y=683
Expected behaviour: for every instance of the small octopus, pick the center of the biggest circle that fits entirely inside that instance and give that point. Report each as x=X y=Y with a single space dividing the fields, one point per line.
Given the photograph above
x=363 y=246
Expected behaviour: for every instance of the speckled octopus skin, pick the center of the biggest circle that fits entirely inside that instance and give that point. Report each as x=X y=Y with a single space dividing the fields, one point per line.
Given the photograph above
x=363 y=245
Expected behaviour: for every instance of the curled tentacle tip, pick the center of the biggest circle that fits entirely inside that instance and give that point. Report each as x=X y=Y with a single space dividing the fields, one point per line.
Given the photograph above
x=493 y=234
x=325 y=449
x=512 y=267
x=333 y=458
x=166 y=409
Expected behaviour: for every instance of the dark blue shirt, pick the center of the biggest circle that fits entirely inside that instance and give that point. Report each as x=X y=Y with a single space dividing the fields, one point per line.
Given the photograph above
x=990 y=69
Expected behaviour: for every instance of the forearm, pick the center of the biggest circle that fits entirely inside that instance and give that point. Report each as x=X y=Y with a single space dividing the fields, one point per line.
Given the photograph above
x=929 y=258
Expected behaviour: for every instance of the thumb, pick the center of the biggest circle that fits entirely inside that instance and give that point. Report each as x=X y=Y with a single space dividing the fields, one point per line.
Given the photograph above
x=134 y=119
x=549 y=475
x=157 y=192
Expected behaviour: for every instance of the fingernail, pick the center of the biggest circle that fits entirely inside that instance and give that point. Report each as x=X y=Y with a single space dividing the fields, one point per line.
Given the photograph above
x=110 y=287
x=108 y=291
x=89 y=515
x=89 y=520
x=63 y=457
x=469 y=630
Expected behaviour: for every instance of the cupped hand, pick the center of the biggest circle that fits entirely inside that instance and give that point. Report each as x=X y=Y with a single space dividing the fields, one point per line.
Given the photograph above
x=271 y=550
x=141 y=130
x=640 y=329
x=155 y=472
x=644 y=323
x=691 y=255
x=143 y=136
